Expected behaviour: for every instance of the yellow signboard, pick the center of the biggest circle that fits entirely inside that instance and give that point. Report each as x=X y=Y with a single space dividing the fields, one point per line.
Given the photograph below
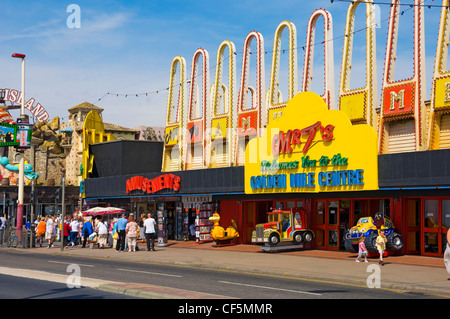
x=93 y=132
x=219 y=128
x=312 y=149
x=172 y=135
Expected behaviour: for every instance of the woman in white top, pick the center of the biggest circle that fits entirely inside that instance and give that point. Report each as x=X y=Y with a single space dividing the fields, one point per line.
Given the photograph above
x=102 y=232
x=74 y=225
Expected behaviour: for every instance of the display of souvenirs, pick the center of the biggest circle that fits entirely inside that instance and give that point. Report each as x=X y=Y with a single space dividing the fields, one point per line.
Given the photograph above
x=203 y=223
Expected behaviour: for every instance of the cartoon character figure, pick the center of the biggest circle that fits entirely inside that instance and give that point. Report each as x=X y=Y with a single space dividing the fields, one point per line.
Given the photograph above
x=219 y=233
x=11 y=172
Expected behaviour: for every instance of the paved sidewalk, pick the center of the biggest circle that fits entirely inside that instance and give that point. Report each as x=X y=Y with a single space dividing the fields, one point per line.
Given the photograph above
x=416 y=274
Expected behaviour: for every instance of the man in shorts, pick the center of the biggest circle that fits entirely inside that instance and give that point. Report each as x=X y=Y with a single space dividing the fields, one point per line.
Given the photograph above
x=49 y=230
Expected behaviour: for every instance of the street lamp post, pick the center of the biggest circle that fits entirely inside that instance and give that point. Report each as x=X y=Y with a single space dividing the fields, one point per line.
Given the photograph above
x=21 y=163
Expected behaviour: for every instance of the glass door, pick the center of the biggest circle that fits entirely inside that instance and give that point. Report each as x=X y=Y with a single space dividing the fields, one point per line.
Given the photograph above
x=431 y=227
x=333 y=225
x=319 y=221
x=412 y=234
x=248 y=220
x=326 y=220
x=436 y=221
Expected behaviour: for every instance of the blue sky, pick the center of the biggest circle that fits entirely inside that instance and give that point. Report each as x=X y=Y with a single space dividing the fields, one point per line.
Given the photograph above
x=126 y=47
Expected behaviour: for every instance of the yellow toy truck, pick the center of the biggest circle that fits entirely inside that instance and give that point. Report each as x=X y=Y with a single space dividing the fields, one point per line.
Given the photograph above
x=283 y=226
x=368 y=227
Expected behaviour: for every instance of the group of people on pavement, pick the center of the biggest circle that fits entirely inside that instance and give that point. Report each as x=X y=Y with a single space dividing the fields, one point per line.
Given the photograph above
x=380 y=244
x=128 y=229
x=121 y=233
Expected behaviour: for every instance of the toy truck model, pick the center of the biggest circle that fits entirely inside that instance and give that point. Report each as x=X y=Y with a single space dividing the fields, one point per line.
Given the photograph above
x=283 y=226
x=367 y=228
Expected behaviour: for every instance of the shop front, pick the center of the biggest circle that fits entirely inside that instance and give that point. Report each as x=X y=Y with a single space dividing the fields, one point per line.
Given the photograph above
x=332 y=218
x=426 y=223
x=312 y=159
x=315 y=159
x=181 y=201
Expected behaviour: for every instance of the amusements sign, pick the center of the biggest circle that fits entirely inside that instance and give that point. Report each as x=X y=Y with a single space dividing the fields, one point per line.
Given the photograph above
x=153 y=185
x=312 y=149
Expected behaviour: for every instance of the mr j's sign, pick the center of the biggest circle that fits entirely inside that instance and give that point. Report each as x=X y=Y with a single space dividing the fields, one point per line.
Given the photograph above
x=312 y=149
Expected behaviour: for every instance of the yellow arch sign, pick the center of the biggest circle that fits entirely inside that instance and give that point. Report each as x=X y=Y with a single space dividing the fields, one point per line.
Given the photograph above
x=93 y=132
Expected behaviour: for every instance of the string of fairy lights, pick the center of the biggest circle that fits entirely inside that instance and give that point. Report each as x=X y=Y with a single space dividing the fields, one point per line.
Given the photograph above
x=408 y=5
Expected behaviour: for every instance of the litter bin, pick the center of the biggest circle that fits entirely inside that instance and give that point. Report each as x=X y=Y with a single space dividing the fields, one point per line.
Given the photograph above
x=26 y=239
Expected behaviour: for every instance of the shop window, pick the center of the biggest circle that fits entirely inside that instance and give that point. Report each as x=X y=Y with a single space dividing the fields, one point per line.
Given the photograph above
x=332 y=238
x=446 y=213
x=431 y=213
x=386 y=209
x=431 y=242
x=290 y=205
x=320 y=213
x=332 y=213
x=359 y=210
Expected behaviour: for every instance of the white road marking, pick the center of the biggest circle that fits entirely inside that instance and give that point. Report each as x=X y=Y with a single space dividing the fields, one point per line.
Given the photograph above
x=67 y=263
x=150 y=273
x=59 y=278
x=271 y=288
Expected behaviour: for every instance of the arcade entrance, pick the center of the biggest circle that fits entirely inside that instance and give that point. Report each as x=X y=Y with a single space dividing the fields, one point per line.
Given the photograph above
x=333 y=217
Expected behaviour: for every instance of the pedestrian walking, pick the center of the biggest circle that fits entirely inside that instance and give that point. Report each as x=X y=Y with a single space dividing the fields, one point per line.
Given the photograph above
x=48 y=230
x=102 y=232
x=447 y=252
x=381 y=245
x=111 y=233
x=115 y=234
x=362 y=250
x=55 y=229
x=121 y=225
x=40 y=231
x=141 y=235
x=87 y=230
x=74 y=227
x=3 y=224
x=131 y=231
x=149 y=225
x=80 y=228
x=66 y=231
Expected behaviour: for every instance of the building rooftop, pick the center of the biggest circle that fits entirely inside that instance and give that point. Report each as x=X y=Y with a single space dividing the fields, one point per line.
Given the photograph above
x=85 y=106
x=117 y=128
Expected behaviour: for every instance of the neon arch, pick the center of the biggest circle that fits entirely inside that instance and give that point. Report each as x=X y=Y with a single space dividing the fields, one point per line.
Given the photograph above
x=198 y=119
x=328 y=95
x=175 y=118
x=223 y=121
x=402 y=114
x=275 y=103
x=250 y=121
x=359 y=104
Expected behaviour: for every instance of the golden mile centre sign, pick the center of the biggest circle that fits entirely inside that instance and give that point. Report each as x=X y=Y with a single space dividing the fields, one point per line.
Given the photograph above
x=312 y=149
